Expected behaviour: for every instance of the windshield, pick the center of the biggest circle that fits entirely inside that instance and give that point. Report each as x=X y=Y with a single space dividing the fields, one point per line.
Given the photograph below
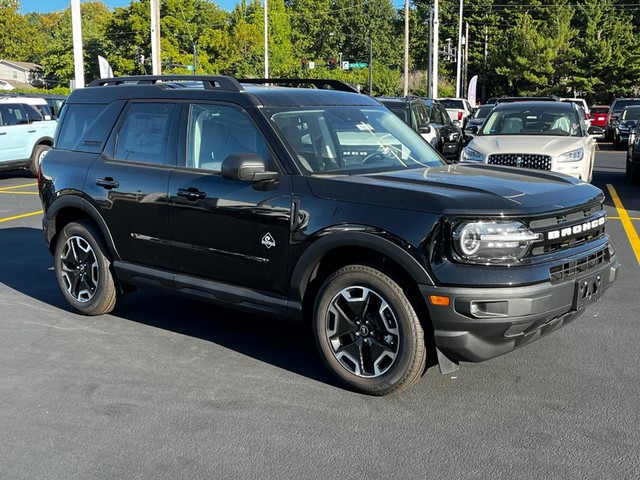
x=482 y=112
x=451 y=103
x=631 y=114
x=351 y=139
x=532 y=120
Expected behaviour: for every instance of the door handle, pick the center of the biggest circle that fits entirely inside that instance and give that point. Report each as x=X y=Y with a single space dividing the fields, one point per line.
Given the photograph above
x=191 y=193
x=3 y=133
x=31 y=131
x=107 y=183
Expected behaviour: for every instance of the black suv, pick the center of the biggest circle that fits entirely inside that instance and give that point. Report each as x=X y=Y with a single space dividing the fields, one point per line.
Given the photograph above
x=317 y=206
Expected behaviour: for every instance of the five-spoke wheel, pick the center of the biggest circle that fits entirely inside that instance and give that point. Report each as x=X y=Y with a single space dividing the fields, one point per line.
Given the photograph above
x=368 y=332
x=83 y=269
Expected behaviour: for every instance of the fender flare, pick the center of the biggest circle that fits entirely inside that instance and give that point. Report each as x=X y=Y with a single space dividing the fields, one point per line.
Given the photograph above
x=313 y=255
x=79 y=203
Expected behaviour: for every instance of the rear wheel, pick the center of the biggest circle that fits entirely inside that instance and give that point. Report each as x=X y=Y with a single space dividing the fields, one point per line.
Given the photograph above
x=367 y=331
x=83 y=269
x=36 y=157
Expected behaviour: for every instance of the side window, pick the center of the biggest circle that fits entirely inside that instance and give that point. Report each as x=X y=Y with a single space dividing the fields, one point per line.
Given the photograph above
x=217 y=131
x=14 y=115
x=144 y=133
x=85 y=127
x=421 y=115
x=445 y=119
x=1 y=117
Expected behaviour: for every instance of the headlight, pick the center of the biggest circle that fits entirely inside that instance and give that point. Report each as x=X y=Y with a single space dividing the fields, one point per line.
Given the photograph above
x=572 y=156
x=496 y=242
x=470 y=155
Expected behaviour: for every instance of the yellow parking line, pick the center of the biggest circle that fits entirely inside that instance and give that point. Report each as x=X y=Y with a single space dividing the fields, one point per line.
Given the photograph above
x=31 y=214
x=18 y=193
x=626 y=222
x=633 y=219
x=2 y=189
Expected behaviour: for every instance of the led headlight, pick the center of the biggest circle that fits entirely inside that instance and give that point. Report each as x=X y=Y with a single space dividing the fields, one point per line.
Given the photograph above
x=471 y=155
x=572 y=156
x=498 y=242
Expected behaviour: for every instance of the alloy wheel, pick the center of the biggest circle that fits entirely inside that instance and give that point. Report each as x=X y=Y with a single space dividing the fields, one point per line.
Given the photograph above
x=79 y=269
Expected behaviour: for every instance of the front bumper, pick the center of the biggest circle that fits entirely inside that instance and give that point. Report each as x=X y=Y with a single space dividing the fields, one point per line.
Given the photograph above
x=482 y=323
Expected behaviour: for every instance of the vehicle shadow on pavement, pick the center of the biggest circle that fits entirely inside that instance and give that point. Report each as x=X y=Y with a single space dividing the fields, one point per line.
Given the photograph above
x=26 y=267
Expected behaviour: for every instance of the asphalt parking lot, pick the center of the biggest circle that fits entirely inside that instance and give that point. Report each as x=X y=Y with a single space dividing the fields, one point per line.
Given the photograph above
x=177 y=389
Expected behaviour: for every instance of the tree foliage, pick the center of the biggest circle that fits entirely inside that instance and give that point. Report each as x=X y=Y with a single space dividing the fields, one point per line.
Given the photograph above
x=563 y=47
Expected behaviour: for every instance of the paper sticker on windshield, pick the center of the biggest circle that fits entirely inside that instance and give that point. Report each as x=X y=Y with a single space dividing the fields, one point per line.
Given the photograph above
x=365 y=127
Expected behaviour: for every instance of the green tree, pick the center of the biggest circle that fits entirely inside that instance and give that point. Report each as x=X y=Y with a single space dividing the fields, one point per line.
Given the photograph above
x=19 y=38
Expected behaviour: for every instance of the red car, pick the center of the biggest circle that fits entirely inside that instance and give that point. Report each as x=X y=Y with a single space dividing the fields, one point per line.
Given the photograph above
x=599 y=115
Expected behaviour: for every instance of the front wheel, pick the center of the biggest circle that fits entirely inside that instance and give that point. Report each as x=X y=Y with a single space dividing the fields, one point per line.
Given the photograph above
x=83 y=269
x=367 y=331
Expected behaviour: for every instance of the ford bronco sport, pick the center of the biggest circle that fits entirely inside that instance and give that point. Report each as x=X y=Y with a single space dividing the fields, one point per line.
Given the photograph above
x=318 y=206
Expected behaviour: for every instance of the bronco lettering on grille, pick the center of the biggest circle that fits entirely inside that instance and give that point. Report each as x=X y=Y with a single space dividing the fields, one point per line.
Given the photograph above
x=576 y=229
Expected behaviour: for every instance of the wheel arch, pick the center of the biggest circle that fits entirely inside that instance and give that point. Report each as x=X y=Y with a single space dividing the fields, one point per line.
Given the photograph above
x=336 y=250
x=71 y=208
x=48 y=141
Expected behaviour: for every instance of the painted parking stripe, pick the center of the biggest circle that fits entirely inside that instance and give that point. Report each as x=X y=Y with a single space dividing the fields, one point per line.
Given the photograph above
x=15 y=187
x=626 y=222
x=17 y=217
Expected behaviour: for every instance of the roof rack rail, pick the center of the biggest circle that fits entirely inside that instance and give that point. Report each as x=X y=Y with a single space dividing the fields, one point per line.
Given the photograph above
x=209 y=82
x=320 y=83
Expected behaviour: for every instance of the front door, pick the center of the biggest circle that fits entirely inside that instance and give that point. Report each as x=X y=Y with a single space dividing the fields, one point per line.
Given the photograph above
x=231 y=231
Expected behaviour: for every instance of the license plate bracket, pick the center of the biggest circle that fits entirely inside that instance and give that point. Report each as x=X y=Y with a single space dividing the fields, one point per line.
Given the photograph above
x=587 y=290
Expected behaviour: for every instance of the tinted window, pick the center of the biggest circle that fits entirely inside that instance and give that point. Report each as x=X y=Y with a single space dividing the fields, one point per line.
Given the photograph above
x=17 y=114
x=600 y=110
x=86 y=127
x=144 y=134
x=217 y=131
x=449 y=103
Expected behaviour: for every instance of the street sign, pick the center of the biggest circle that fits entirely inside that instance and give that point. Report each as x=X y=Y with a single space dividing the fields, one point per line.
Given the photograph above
x=358 y=65
x=189 y=67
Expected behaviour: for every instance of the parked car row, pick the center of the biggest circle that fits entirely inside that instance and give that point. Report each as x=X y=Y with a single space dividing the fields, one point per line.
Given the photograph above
x=429 y=118
x=27 y=126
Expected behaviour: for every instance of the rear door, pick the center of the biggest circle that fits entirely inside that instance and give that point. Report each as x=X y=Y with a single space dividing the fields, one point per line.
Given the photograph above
x=129 y=182
x=231 y=231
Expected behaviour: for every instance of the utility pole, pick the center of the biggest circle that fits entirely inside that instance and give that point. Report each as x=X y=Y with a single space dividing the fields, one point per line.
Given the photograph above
x=435 y=51
x=406 y=48
x=78 y=61
x=465 y=80
x=430 y=61
x=195 y=58
x=459 y=53
x=266 y=41
x=370 y=66
x=156 y=65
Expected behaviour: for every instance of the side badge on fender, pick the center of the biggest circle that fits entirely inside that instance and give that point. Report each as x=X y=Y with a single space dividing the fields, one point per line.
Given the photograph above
x=268 y=241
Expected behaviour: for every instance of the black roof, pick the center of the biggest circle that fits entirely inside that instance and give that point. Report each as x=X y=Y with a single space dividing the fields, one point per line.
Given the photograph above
x=545 y=104
x=222 y=88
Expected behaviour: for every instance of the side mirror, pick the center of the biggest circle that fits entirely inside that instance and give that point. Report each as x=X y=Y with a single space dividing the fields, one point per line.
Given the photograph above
x=595 y=130
x=473 y=129
x=424 y=128
x=630 y=123
x=457 y=123
x=246 y=166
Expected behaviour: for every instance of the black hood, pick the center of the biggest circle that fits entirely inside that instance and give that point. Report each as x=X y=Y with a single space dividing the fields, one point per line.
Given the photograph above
x=469 y=189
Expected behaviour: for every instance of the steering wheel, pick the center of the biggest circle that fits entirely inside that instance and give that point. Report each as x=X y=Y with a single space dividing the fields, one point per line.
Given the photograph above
x=375 y=157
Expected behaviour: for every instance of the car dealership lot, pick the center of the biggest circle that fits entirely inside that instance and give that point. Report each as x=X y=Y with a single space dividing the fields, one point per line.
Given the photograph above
x=171 y=388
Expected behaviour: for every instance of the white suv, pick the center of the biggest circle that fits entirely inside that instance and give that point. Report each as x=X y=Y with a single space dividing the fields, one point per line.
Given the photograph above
x=24 y=136
x=459 y=109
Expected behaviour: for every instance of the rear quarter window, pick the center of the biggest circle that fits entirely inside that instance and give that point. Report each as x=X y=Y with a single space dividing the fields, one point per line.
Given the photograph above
x=86 y=127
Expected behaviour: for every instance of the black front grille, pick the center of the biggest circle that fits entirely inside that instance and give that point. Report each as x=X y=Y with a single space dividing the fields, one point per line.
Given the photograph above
x=522 y=160
x=575 y=267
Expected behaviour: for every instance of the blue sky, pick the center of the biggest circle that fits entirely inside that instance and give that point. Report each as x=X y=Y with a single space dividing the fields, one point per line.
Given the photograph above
x=46 y=6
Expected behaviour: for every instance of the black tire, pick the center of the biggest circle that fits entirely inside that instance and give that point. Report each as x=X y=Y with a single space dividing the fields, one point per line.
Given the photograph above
x=367 y=331
x=36 y=156
x=83 y=269
x=635 y=174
